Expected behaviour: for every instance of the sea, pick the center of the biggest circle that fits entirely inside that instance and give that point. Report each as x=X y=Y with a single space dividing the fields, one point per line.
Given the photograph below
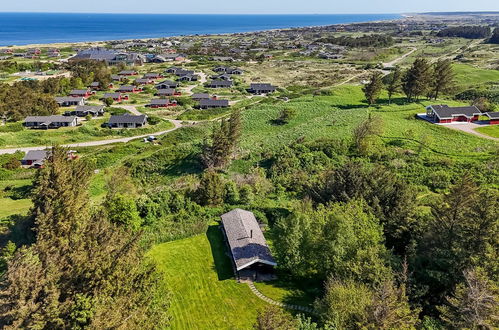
x=42 y=28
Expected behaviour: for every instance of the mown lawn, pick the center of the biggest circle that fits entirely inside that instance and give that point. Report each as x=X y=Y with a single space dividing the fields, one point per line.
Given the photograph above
x=489 y=130
x=204 y=292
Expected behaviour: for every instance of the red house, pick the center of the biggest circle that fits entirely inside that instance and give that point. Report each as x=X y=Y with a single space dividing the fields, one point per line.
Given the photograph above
x=86 y=93
x=129 y=89
x=127 y=73
x=493 y=118
x=117 y=97
x=161 y=103
x=444 y=114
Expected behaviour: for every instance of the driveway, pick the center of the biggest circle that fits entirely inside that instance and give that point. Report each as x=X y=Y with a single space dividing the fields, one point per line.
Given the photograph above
x=463 y=127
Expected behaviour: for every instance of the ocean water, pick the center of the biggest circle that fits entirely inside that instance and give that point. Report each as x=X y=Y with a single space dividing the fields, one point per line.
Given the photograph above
x=39 y=28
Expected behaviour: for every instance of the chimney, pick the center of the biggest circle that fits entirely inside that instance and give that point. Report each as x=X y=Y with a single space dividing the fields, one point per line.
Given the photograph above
x=251 y=233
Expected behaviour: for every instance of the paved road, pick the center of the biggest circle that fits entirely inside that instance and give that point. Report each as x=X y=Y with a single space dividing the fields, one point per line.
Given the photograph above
x=470 y=128
x=178 y=124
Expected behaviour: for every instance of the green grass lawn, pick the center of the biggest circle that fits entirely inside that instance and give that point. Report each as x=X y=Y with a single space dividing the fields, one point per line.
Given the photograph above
x=89 y=131
x=489 y=130
x=205 y=294
x=10 y=206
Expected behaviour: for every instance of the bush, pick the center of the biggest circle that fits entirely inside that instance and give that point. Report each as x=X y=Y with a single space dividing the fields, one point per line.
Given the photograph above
x=153 y=120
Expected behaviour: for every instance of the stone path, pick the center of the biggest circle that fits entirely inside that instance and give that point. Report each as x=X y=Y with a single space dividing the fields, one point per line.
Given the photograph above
x=277 y=303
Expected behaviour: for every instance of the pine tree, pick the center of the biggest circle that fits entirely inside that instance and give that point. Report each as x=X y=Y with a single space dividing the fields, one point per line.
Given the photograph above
x=394 y=83
x=373 y=89
x=417 y=80
x=82 y=271
x=443 y=78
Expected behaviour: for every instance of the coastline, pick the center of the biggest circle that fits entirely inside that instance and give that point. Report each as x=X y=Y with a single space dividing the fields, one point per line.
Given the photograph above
x=180 y=35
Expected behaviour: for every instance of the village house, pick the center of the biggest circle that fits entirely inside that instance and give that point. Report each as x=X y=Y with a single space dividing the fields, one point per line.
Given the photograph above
x=86 y=93
x=127 y=121
x=86 y=110
x=493 y=118
x=34 y=158
x=166 y=92
x=173 y=69
x=189 y=77
x=444 y=114
x=213 y=103
x=129 y=89
x=220 y=84
x=249 y=252
x=258 y=88
x=111 y=57
x=161 y=103
x=46 y=122
x=201 y=96
x=117 y=97
x=167 y=84
x=69 y=101
x=153 y=75
x=228 y=70
x=143 y=81
x=127 y=73
x=116 y=77
x=223 y=76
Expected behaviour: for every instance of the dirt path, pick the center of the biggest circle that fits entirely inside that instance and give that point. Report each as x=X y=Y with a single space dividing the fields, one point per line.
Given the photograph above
x=131 y=108
x=398 y=59
x=202 y=80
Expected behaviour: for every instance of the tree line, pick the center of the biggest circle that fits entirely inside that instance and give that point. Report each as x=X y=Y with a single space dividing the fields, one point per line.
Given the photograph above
x=468 y=32
x=368 y=40
x=422 y=79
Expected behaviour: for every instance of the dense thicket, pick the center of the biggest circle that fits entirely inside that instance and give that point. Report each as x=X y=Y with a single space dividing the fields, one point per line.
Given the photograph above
x=494 y=39
x=368 y=40
x=91 y=71
x=82 y=271
x=20 y=100
x=468 y=32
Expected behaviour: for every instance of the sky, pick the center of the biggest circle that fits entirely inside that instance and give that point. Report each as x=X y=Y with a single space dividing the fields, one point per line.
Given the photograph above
x=248 y=6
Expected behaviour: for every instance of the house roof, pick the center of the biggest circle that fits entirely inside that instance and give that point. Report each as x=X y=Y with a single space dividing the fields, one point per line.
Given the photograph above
x=262 y=86
x=79 y=91
x=160 y=102
x=245 y=238
x=91 y=108
x=35 y=155
x=445 y=112
x=200 y=96
x=492 y=115
x=143 y=80
x=112 y=95
x=127 y=119
x=167 y=83
x=60 y=99
x=165 y=91
x=127 y=88
x=49 y=119
x=227 y=83
x=211 y=102
x=152 y=75
x=126 y=72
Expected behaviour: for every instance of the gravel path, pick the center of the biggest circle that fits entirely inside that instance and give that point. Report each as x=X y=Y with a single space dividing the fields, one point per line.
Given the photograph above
x=277 y=303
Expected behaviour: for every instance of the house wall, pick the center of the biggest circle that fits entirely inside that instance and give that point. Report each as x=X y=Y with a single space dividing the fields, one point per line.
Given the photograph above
x=494 y=122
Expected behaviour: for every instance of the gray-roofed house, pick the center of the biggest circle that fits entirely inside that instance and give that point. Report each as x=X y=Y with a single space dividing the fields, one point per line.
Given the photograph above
x=165 y=92
x=144 y=81
x=167 y=84
x=129 y=89
x=189 y=77
x=127 y=121
x=69 y=101
x=213 y=103
x=161 y=103
x=248 y=247
x=444 y=114
x=200 y=96
x=220 y=84
x=259 y=88
x=111 y=57
x=34 y=158
x=117 y=97
x=493 y=118
x=54 y=121
x=86 y=110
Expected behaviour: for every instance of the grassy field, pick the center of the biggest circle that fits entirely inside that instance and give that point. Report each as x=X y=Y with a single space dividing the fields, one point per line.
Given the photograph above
x=469 y=76
x=204 y=292
x=335 y=116
x=489 y=130
x=14 y=135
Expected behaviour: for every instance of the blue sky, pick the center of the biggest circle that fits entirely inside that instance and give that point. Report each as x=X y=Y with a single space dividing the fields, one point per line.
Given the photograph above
x=249 y=6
